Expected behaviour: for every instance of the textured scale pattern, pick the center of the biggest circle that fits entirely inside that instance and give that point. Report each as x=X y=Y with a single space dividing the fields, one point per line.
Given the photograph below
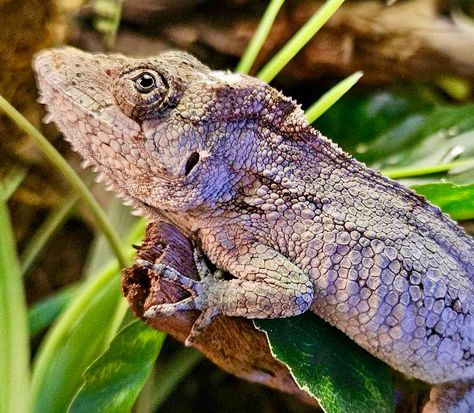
x=298 y=223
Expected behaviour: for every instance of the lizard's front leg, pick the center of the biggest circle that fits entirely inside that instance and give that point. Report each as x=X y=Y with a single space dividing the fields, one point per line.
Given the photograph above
x=267 y=285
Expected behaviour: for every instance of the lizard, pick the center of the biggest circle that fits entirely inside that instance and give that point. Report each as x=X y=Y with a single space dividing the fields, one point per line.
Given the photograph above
x=297 y=223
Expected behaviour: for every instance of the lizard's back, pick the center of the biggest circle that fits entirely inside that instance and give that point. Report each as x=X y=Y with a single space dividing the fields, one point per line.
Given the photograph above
x=389 y=269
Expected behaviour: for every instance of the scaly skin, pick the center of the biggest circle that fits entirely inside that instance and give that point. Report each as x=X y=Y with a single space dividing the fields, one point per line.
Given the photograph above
x=298 y=223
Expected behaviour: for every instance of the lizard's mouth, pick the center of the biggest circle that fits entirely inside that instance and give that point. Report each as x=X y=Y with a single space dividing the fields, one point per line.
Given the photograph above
x=74 y=86
x=65 y=104
x=70 y=75
x=81 y=81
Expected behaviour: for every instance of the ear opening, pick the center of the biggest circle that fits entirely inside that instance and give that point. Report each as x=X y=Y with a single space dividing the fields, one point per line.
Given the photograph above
x=191 y=163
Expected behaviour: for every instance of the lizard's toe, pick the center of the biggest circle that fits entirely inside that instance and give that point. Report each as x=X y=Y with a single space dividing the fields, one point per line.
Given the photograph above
x=206 y=318
x=170 y=274
x=167 y=309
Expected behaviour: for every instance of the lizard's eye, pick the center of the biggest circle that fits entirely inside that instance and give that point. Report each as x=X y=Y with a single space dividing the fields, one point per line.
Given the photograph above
x=141 y=93
x=145 y=82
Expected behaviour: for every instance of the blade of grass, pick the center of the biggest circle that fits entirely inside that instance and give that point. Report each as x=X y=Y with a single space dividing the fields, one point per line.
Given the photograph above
x=100 y=252
x=426 y=170
x=299 y=39
x=46 y=231
x=10 y=182
x=60 y=163
x=14 y=346
x=331 y=97
x=107 y=19
x=259 y=37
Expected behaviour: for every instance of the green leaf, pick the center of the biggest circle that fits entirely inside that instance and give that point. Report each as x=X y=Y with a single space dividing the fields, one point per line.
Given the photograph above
x=14 y=346
x=328 y=365
x=400 y=129
x=44 y=312
x=46 y=232
x=112 y=383
x=78 y=337
x=446 y=133
x=356 y=122
x=455 y=200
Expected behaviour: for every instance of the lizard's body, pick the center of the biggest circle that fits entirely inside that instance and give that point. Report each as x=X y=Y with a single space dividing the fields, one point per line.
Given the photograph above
x=296 y=221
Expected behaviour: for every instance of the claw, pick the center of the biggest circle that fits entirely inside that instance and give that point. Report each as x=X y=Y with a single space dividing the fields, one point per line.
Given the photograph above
x=205 y=318
x=144 y=263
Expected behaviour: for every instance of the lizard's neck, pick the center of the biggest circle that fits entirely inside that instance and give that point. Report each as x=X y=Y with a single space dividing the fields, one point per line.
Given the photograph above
x=174 y=219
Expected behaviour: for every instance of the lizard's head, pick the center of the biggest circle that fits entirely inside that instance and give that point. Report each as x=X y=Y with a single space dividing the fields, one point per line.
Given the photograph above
x=166 y=132
x=121 y=115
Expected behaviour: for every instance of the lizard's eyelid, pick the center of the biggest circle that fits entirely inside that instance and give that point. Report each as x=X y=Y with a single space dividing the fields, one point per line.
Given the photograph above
x=141 y=92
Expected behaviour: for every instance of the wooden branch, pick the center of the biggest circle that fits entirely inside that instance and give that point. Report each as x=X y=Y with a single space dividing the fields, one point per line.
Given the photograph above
x=231 y=343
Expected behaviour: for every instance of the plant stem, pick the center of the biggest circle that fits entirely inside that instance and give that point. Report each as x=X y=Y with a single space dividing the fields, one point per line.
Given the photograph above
x=259 y=37
x=425 y=170
x=11 y=181
x=299 y=39
x=45 y=232
x=331 y=97
x=59 y=162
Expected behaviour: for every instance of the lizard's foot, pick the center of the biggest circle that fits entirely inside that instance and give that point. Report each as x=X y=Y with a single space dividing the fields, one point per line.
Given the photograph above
x=199 y=290
x=265 y=285
x=205 y=318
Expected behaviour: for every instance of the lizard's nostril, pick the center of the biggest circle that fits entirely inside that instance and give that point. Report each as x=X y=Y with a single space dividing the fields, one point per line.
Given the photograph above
x=191 y=163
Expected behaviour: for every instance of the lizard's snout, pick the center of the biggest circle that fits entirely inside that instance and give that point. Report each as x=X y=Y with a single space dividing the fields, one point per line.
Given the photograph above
x=49 y=62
